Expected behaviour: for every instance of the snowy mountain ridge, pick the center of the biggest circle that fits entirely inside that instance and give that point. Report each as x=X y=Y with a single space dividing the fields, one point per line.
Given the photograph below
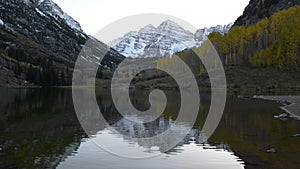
x=163 y=40
x=49 y=7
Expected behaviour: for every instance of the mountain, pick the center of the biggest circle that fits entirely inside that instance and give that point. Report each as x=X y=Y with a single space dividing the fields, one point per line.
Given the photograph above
x=259 y=9
x=152 y=41
x=163 y=40
x=39 y=44
x=202 y=34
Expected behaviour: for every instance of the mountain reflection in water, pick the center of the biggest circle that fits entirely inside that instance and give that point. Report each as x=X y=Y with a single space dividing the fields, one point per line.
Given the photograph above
x=39 y=129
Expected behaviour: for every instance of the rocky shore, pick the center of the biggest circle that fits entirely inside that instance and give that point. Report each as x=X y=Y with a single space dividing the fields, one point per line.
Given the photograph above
x=293 y=108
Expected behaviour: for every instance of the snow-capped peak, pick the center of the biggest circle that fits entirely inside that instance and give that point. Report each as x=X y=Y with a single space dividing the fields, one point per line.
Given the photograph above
x=163 y=40
x=168 y=24
x=148 y=28
x=152 y=41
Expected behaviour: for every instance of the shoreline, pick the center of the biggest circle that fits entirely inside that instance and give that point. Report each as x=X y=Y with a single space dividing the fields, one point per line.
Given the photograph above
x=293 y=109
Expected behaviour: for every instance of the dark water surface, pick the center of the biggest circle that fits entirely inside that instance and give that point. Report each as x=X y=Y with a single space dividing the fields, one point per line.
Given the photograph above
x=39 y=129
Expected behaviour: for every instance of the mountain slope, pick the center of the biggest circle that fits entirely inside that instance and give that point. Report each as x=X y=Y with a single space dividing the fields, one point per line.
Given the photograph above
x=48 y=6
x=272 y=42
x=162 y=41
x=260 y=9
x=39 y=43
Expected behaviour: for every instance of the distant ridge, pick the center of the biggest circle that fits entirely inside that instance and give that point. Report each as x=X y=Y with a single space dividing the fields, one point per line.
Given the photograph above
x=162 y=41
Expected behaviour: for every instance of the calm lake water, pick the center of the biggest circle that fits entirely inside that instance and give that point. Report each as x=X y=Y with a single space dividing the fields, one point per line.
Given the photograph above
x=39 y=129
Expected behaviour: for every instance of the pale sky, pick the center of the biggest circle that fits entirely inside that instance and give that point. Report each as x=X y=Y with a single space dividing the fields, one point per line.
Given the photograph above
x=93 y=15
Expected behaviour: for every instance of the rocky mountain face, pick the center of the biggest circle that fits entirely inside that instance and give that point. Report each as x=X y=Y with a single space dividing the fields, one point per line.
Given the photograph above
x=202 y=34
x=259 y=9
x=49 y=7
x=163 y=40
x=40 y=43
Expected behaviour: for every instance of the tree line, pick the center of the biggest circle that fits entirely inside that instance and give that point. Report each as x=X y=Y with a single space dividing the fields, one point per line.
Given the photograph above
x=44 y=73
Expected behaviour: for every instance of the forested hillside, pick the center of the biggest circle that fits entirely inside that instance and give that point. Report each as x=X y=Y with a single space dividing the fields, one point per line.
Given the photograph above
x=261 y=56
x=39 y=44
x=272 y=42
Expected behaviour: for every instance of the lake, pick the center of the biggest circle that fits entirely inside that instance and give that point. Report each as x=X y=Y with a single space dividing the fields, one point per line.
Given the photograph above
x=39 y=129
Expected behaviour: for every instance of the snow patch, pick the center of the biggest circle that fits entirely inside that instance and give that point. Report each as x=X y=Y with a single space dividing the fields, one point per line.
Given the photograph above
x=40 y=12
x=1 y=22
x=27 y=2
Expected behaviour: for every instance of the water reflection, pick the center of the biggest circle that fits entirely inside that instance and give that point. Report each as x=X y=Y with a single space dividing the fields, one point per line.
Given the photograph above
x=39 y=129
x=157 y=136
x=189 y=155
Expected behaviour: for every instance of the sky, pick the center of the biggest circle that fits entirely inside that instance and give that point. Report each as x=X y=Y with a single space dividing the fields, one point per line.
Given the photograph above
x=94 y=15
